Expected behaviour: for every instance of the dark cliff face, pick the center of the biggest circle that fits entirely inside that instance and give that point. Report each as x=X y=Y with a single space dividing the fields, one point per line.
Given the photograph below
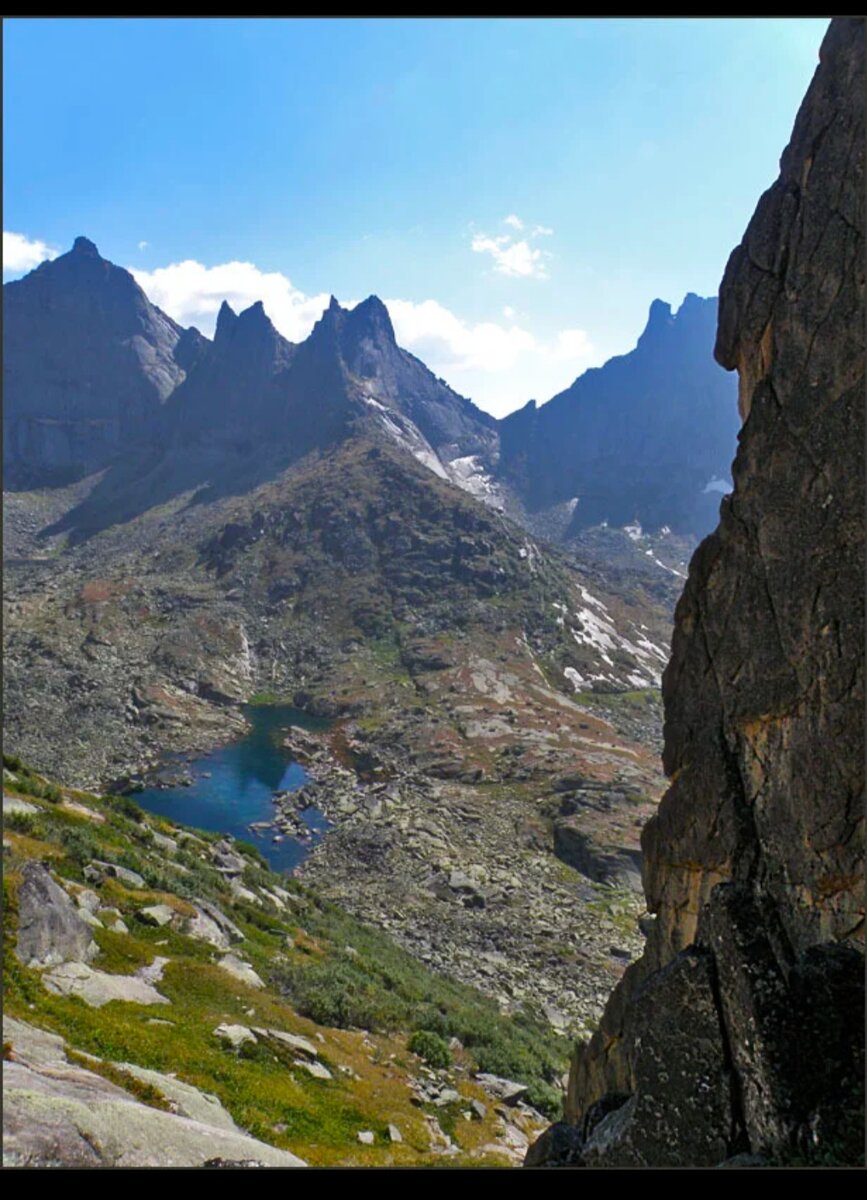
x=638 y=439
x=236 y=388
x=741 y=1030
x=88 y=362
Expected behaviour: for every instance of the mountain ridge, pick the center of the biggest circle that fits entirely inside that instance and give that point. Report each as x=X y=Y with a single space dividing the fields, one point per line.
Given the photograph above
x=249 y=393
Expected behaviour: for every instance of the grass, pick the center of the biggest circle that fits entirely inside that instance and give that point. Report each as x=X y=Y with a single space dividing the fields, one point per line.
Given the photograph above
x=379 y=1012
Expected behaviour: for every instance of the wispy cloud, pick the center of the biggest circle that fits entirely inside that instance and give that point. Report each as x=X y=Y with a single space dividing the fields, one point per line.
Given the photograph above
x=517 y=258
x=21 y=253
x=143 y=245
x=512 y=258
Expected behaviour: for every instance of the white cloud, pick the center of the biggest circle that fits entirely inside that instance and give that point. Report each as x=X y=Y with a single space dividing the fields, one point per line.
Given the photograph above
x=445 y=342
x=516 y=258
x=192 y=293
x=512 y=258
x=22 y=254
x=143 y=245
x=500 y=364
x=572 y=345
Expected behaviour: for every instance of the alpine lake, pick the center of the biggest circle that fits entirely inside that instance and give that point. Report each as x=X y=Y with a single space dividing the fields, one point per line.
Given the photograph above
x=231 y=789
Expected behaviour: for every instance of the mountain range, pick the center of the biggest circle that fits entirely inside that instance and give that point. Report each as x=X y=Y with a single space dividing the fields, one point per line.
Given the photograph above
x=98 y=379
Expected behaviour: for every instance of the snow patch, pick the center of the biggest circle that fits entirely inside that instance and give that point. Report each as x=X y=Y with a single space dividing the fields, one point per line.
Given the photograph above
x=588 y=598
x=574 y=678
x=469 y=474
x=679 y=574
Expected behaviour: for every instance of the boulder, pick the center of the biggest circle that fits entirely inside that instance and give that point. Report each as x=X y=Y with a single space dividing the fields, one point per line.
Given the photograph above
x=316 y=1069
x=156 y=914
x=96 y=871
x=98 y=987
x=212 y=925
x=59 y=1114
x=559 y=1146
x=235 y=1035
x=241 y=970
x=51 y=929
x=299 y=1044
x=501 y=1089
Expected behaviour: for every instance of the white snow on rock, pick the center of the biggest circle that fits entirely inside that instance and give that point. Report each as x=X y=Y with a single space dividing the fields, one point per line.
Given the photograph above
x=574 y=678
x=407 y=435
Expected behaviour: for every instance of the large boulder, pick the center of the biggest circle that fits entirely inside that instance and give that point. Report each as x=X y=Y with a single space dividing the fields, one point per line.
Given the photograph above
x=59 y=1114
x=51 y=929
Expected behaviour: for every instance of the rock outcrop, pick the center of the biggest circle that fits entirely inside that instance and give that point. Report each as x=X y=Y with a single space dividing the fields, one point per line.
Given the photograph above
x=51 y=930
x=57 y=1113
x=740 y=1031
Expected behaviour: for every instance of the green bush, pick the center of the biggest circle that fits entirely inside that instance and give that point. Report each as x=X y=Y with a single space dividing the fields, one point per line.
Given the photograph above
x=24 y=822
x=126 y=808
x=336 y=993
x=430 y=1047
x=79 y=844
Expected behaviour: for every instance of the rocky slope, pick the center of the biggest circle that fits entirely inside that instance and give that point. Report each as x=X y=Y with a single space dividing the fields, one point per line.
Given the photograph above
x=739 y=1035
x=648 y=438
x=463 y=664
x=168 y=1001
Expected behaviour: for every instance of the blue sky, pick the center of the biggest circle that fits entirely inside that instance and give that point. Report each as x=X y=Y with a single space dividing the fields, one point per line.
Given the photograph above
x=518 y=191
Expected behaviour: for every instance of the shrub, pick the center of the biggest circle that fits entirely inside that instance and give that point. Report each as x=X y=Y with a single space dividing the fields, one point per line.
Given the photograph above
x=430 y=1047
x=338 y=994
x=79 y=845
x=126 y=808
x=24 y=822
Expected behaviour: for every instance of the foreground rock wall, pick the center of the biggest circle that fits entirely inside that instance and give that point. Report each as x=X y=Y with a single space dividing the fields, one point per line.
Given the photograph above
x=741 y=1028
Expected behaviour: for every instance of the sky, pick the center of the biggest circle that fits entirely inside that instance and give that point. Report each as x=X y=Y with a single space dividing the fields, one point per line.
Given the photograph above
x=517 y=191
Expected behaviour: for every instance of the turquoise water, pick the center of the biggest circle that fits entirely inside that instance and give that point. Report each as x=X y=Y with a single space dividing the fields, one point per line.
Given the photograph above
x=239 y=784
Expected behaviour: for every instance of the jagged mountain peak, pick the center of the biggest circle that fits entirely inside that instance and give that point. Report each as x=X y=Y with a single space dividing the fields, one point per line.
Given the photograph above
x=85 y=246
x=88 y=363
x=622 y=442
x=226 y=320
x=371 y=318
